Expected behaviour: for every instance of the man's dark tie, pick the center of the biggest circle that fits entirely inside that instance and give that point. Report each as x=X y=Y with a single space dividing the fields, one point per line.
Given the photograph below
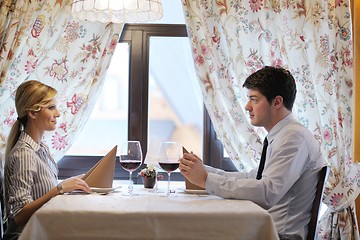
x=262 y=160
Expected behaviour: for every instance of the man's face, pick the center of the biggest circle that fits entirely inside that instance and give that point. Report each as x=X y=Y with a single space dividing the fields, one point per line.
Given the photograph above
x=259 y=109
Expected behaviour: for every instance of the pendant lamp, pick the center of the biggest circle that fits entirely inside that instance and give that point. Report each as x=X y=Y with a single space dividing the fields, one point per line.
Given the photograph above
x=117 y=11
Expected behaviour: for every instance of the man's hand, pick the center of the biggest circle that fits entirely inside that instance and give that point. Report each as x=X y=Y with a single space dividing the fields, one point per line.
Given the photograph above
x=192 y=168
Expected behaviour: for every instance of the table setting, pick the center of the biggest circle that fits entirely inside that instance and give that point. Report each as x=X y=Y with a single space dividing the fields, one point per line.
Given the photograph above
x=149 y=215
x=170 y=210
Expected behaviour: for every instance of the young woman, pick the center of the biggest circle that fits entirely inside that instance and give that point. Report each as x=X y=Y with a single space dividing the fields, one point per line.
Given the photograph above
x=30 y=173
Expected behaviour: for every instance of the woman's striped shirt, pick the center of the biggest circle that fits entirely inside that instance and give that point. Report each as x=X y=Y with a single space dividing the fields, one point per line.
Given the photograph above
x=30 y=172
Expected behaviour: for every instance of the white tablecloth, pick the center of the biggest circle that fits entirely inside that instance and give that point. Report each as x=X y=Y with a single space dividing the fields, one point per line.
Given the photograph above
x=149 y=216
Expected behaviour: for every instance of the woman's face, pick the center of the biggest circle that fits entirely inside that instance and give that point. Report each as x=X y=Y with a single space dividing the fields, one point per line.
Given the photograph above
x=46 y=117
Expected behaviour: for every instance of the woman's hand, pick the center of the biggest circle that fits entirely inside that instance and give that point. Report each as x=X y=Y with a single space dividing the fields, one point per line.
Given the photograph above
x=68 y=185
x=75 y=183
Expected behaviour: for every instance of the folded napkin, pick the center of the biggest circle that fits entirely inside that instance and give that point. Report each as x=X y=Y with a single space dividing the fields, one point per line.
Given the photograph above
x=101 y=175
x=188 y=184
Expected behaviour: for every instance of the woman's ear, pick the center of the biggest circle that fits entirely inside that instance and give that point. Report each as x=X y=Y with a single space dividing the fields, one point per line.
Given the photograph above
x=32 y=114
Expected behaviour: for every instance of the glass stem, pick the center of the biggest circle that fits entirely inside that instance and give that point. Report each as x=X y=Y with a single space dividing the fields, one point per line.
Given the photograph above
x=156 y=182
x=130 y=185
x=168 y=189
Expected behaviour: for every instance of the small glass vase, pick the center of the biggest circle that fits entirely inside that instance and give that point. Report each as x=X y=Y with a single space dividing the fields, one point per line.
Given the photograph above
x=149 y=182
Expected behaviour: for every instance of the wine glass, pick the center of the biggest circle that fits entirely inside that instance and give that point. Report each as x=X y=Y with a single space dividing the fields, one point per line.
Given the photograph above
x=169 y=159
x=130 y=159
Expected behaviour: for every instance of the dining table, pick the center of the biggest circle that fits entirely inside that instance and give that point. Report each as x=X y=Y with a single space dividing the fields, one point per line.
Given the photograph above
x=149 y=214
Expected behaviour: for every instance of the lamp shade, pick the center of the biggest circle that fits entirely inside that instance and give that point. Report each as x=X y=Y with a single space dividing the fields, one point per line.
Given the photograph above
x=117 y=11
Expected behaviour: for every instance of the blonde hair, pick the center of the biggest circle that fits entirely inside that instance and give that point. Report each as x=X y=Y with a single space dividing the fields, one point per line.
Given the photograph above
x=31 y=95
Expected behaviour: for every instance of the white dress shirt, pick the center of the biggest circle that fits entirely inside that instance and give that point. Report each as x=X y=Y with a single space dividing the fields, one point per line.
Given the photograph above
x=288 y=184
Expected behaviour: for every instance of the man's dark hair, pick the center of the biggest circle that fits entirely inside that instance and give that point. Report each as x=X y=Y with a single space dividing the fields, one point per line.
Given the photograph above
x=272 y=82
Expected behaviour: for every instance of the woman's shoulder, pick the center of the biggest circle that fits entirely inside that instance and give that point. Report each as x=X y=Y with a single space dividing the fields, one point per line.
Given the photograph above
x=21 y=155
x=22 y=149
x=25 y=144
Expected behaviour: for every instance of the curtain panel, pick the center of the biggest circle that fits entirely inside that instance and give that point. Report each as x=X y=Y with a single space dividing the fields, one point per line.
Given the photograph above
x=232 y=39
x=355 y=11
x=40 y=40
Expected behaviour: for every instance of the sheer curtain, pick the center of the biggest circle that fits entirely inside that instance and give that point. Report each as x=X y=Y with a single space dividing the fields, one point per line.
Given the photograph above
x=40 y=40
x=356 y=36
x=232 y=39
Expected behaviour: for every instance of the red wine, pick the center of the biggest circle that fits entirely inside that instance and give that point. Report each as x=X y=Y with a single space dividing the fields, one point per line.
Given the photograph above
x=130 y=165
x=169 y=167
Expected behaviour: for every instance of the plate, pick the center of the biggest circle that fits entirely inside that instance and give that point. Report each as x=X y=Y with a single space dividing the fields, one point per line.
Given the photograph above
x=195 y=191
x=102 y=190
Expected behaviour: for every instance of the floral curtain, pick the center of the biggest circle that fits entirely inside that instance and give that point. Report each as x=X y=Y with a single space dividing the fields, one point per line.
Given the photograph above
x=232 y=39
x=40 y=40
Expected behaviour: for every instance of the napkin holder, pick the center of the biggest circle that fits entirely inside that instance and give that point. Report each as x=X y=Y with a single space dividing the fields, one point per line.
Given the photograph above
x=188 y=184
x=101 y=175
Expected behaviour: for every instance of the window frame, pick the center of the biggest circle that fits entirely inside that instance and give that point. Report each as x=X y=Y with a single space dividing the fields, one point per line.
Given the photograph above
x=138 y=37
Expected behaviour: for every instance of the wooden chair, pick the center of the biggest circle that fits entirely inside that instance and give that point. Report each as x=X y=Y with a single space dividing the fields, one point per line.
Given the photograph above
x=3 y=225
x=312 y=231
x=2 y=230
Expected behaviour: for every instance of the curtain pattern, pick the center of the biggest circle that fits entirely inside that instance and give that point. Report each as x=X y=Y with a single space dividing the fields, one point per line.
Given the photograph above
x=40 y=40
x=232 y=39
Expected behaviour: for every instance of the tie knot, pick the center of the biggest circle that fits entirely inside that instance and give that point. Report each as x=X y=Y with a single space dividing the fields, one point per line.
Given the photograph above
x=266 y=141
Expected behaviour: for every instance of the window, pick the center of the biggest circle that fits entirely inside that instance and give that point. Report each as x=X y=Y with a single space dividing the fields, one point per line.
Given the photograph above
x=131 y=110
x=139 y=102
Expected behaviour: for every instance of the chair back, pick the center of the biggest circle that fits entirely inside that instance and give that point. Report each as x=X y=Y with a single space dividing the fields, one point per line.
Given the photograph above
x=312 y=230
x=2 y=230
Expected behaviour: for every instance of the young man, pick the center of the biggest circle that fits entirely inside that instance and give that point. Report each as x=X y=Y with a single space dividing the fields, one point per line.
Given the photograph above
x=287 y=184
